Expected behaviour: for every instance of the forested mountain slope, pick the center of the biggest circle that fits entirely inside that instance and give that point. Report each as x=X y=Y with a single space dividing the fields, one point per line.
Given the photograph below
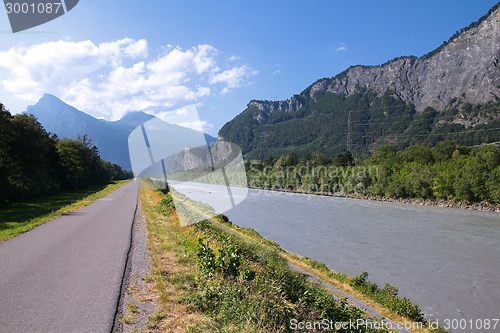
x=451 y=93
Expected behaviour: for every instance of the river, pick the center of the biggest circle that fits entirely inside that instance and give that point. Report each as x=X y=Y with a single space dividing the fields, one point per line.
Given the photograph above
x=445 y=260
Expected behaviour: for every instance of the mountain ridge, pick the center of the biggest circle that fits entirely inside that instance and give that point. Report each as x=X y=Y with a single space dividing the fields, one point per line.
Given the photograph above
x=399 y=73
x=66 y=121
x=462 y=72
x=111 y=137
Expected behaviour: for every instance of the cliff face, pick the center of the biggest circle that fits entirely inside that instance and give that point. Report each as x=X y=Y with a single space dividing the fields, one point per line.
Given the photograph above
x=267 y=107
x=220 y=154
x=289 y=105
x=468 y=67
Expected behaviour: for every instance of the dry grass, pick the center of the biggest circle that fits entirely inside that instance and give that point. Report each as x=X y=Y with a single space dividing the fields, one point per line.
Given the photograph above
x=172 y=270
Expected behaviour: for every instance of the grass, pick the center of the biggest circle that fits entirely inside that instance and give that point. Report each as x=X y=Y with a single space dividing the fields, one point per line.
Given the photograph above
x=178 y=277
x=190 y=302
x=132 y=310
x=127 y=320
x=173 y=259
x=339 y=280
x=21 y=217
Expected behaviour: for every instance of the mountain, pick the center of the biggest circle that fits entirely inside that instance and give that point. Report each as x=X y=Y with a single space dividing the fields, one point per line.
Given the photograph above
x=111 y=137
x=131 y=120
x=67 y=122
x=401 y=102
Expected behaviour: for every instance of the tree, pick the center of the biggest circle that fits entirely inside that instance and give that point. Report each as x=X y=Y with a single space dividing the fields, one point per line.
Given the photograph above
x=307 y=156
x=444 y=151
x=292 y=160
x=5 y=135
x=35 y=163
x=268 y=162
x=418 y=154
x=82 y=164
x=344 y=159
x=320 y=159
x=32 y=159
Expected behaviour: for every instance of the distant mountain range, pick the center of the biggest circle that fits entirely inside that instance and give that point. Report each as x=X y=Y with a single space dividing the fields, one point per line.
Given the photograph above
x=452 y=92
x=111 y=137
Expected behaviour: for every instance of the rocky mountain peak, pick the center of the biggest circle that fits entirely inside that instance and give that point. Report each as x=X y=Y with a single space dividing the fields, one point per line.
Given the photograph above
x=289 y=105
x=467 y=67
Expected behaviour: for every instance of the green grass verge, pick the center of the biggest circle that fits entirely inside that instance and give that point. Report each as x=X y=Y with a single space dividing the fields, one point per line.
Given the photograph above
x=226 y=300
x=21 y=217
x=210 y=280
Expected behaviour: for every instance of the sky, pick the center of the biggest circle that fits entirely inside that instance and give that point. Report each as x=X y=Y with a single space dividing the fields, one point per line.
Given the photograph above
x=107 y=58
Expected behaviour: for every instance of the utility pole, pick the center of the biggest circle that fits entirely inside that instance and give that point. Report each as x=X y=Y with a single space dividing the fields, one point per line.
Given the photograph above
x=349 y=132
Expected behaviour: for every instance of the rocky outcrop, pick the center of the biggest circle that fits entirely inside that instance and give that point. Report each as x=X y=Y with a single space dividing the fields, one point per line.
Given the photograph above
x=221 y=153
x=468 y=67
x=267 y=107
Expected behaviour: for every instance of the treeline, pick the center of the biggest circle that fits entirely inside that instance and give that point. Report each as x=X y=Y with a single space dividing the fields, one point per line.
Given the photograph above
x=445 y=171
x=34 y=163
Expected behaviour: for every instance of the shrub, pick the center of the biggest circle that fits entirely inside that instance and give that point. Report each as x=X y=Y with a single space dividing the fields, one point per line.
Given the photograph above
x=166 y=205
x=388 y=296
x=227 y=262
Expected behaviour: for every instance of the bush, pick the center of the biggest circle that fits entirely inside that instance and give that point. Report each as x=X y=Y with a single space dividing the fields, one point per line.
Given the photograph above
x=166 y=205
x=388 y=296
x=222 y=219
x=247 y=280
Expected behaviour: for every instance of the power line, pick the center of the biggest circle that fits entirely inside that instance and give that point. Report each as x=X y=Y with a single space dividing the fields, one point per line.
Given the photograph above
x=449 y=133
x=349 y=133
x=435 y=134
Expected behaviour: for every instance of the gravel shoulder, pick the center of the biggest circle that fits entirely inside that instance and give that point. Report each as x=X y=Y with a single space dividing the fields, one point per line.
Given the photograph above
x=138 y=297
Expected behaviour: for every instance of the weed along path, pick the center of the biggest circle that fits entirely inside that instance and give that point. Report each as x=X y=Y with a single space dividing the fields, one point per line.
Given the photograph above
x=66 y=275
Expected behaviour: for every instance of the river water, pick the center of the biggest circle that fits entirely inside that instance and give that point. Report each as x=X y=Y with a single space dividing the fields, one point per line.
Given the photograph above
x=445 y=260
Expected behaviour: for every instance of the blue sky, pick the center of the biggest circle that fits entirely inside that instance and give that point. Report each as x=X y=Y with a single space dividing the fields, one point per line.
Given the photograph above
x=110 y=57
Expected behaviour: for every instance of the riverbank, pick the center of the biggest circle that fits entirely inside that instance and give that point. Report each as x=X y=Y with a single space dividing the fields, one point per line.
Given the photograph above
x=220 y=297
x=481 y=206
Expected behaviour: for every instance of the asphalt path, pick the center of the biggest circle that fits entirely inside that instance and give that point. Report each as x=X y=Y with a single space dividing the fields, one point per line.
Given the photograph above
x=66 y=275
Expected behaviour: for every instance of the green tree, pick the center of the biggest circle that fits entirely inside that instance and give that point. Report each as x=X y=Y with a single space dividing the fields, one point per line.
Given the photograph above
x=319 y=159
x=442 y=186
x=418 y=154
x=35 y=163
x=292 y=160
x=5 y=137
x=307 y=156
x=31 y=159
x=345 y=159
x=269 y=162
x=82 y=164
x=444 y=151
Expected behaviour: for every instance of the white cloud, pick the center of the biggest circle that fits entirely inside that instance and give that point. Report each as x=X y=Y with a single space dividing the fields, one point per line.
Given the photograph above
x=200 y=125
x=341 y=47
x=276 y=72
x=185 y=117
x=233 y=78
x=110 y=79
